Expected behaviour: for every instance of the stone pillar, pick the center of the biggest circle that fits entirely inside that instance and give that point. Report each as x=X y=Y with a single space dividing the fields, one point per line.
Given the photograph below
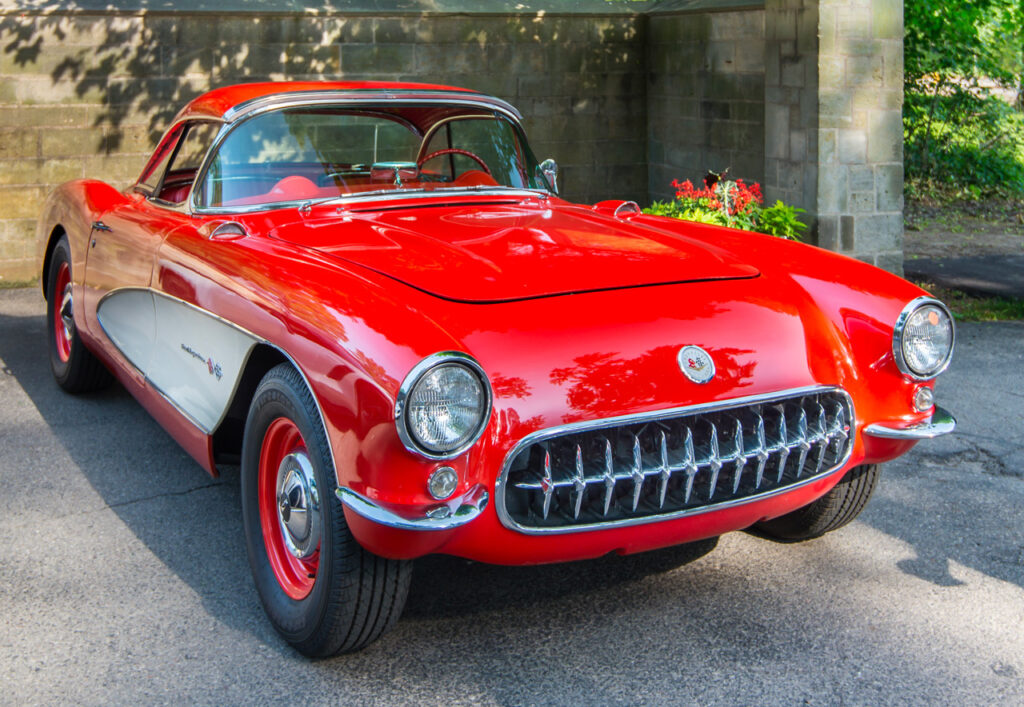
x=833 y=121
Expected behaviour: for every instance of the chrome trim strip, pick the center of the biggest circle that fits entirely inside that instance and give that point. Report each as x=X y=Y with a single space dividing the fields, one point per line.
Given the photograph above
x=466 y=509
x=413 y=377
x=940 y=423
x=396 y=195
x=295 y=99
x=897 y=336
x=605 y=423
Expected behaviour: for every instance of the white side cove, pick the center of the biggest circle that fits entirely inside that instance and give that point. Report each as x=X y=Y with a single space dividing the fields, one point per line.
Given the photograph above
x=193 y=358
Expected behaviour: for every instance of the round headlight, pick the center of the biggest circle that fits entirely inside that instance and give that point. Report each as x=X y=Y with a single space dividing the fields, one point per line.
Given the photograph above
x=443 y=405
x=923 y=338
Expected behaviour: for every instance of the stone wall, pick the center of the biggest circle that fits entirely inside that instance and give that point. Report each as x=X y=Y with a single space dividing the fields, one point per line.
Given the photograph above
x=804 y=96
x=705 y=96
x=87 y=94
x=833 y=121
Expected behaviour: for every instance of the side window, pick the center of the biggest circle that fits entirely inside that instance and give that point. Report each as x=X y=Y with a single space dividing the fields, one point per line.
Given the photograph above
x=154 y=171
x=185 y=161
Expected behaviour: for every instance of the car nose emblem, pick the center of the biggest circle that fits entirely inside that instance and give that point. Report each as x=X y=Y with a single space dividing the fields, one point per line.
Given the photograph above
x=696 y=364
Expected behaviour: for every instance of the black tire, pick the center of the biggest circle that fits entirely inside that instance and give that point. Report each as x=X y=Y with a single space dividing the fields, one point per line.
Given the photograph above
x=833 y=510
x=355 y=596
x=74 y=367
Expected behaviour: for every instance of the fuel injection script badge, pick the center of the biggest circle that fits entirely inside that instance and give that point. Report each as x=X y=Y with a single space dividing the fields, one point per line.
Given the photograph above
x=696 y=364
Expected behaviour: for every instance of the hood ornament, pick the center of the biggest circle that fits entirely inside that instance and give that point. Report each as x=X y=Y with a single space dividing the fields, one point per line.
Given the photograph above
x=696 y=364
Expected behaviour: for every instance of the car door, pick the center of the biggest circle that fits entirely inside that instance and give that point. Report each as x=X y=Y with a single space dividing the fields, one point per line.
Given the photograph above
x=124 y=242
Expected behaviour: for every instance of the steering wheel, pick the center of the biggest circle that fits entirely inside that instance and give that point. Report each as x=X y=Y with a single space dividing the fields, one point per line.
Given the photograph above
x=455 y=151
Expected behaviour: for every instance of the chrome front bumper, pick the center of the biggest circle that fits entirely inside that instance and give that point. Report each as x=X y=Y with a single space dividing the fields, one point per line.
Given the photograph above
x=444 y=516
x=940 y=423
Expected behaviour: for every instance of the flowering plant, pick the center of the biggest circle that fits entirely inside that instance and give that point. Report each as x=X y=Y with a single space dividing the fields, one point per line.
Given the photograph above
x=731 y=203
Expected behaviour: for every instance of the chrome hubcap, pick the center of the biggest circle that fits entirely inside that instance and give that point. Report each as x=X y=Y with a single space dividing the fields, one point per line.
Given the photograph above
x=298 y=505
x=67 y=312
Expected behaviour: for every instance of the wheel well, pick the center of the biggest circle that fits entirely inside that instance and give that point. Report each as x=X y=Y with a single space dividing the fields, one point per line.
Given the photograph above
x=227 y=439
x=51 y=243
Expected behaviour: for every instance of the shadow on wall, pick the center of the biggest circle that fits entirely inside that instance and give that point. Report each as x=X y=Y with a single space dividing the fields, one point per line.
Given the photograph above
x=141 y=70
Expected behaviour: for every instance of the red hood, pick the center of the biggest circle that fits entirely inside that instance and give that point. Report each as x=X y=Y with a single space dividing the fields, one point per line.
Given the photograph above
x=487 y=252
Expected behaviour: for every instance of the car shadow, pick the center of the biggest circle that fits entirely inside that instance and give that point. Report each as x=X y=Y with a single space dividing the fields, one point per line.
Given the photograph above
x=158 y=492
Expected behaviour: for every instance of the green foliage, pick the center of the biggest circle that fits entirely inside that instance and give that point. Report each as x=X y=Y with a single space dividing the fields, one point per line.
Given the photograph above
x=780 y=220
x=733 y=204
x=964 y=61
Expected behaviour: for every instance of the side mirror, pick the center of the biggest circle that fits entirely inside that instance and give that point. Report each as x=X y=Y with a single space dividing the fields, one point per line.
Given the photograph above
x=549 y=168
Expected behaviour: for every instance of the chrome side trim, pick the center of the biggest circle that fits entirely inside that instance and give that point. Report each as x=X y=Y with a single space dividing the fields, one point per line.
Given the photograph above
x=466 y=509
x=541 y=435
x=897 y=337
x=410 y=381
x=941 y=423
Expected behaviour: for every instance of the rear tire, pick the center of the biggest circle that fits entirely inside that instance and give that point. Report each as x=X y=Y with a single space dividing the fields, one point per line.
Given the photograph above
x=833 y=510
x=74 y=367
x=320 y=589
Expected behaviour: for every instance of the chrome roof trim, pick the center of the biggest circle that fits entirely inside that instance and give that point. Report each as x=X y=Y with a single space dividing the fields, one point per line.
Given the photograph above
x=297 y=99
x=541 y=435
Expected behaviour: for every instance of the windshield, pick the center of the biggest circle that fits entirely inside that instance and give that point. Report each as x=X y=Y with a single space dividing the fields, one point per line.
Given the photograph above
x=322 y=153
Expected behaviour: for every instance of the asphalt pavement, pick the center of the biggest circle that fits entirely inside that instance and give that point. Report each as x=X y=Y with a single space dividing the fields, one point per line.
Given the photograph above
x=984 y=275
x=123 y=579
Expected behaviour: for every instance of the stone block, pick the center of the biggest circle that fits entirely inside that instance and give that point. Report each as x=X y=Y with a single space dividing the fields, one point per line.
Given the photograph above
x=777 y=131
x=861 y=203
x=862 y=178
x=828 y=235
x=377 y=60
x=21 y=202
x=828 y=146
x=715 y=110
x=798 y=145
x=21 y=271
x=892 y=261
x=892 y=61
x=834 y=109
x=792 y=71
x=19 y=142
x=853 y=146
x=833 y=190
x=780 y=25
x=846 y=224
x=864 y=72
x=853 y=22
x=885 y=136
x=807 y=27
x=743 y=24
x=720 y=56
x=878 y=233
x=832 y=71
x=887 y=19
x=748 y=111
x=889 y=187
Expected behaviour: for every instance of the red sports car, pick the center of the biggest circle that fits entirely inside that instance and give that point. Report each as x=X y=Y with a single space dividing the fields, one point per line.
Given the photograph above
x=370 y=296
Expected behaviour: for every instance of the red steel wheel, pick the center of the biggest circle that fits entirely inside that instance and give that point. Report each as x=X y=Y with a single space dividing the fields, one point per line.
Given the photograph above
x=63 y=318
x=289 y=504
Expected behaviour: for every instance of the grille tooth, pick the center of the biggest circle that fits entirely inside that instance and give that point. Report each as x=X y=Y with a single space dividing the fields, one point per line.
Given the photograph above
x=802 y=442
x=664 y=471
x=609 y=475
x=636 y=473
x=748 y=448
x=547 y=484
x=579 y=484
x=713 y=459
x=761 y=451
x=741 y=458
x=689 y=465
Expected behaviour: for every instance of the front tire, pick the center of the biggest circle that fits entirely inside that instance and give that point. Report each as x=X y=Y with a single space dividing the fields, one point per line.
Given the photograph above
x=832 y=511
x=74 y=367
x=320 y=589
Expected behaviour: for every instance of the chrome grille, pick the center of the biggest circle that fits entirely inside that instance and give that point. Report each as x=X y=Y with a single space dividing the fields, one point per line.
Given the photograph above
x=676 y=462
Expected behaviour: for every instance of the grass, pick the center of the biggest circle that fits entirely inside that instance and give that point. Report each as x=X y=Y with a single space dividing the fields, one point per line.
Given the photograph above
x=16 y=284
x=971 y=308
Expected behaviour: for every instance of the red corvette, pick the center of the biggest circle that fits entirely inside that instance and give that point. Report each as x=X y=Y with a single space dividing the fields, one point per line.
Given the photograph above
x=370 y=296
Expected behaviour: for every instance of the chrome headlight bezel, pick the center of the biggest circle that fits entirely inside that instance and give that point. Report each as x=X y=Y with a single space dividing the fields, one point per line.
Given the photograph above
x=897 y=339
x=444 y=358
